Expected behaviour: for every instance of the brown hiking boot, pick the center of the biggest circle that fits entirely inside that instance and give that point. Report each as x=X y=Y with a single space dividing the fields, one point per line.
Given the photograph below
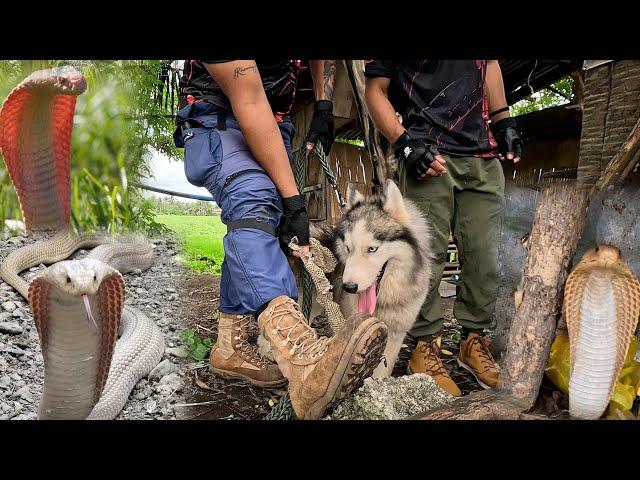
x=233 y=356
x=476 y=358
x=321 y=371
x=425 y=358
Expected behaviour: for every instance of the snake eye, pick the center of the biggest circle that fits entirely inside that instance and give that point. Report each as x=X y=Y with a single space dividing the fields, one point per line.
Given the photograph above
x=68 y=279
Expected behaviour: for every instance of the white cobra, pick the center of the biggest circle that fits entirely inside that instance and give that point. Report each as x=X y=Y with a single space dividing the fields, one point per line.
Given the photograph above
x=95 y=348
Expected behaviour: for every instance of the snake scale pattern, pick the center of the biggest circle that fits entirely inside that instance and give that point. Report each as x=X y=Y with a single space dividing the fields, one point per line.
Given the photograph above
x=95 y=348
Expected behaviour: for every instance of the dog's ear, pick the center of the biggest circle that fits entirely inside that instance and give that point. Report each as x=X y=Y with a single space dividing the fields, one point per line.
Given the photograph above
x=393 y=202
x=353 y=196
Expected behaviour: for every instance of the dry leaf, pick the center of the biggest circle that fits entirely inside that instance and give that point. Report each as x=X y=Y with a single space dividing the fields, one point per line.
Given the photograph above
x=271 y=403
x=203 y=385
x=446 y=352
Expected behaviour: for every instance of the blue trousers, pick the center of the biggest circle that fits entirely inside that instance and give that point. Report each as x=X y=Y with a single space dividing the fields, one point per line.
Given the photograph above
x=255 y=269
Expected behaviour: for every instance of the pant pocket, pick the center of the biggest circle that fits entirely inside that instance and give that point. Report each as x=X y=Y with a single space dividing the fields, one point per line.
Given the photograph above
x=202 y=156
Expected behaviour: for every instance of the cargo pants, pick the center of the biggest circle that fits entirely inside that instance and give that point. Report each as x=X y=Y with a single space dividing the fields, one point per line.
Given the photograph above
x=255 y=269
x=468 y=201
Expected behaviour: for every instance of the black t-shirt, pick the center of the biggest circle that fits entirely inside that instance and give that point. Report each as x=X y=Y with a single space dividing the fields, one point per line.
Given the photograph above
x=279 y=79
x=443 y=101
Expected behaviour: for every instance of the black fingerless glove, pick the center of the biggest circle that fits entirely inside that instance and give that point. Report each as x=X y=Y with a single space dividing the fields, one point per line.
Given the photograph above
x=416 y=154
x=506 y=133
x=294 y=222
x=321 y=128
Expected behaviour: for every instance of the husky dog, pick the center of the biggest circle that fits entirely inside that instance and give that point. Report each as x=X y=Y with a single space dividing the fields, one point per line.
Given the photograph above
x=383 y=242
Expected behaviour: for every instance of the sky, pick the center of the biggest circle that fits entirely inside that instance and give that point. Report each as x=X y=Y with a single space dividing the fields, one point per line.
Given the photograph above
x=169 y=174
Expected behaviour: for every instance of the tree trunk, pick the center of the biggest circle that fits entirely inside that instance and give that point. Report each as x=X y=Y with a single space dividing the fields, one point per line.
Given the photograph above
x=559 y=221
x=623 y=162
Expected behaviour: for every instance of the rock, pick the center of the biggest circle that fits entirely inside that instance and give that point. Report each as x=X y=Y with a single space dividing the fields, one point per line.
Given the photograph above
x=179 y=352
x=5 y=316
x=392 y=399
x=150 y=406
x=170 y=384
x=17 y=313
x=9 y=306
x=5 y=381
x=10 y=328
x=163 y=369
x=16 y=352
x=24 y=394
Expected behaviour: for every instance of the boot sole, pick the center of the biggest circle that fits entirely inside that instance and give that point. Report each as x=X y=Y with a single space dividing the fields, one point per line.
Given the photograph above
x=475 y=375
x=358 y=361
x=258 y=383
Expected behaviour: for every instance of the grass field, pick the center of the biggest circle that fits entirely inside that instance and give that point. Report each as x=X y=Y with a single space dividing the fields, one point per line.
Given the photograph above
x=201 y=239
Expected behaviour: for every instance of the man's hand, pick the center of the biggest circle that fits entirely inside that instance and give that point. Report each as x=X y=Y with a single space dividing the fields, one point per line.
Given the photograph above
x=321 y=129
x=506 y=133
x=294 y=222
x=421 y=159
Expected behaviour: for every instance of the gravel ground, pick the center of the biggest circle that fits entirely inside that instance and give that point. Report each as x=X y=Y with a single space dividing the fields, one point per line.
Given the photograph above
x=154 y=291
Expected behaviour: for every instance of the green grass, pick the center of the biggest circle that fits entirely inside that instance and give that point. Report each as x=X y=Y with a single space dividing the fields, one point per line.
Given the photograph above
x=201 y=239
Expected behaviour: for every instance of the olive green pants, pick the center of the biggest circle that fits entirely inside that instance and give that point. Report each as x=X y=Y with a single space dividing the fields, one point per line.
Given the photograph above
x=468 y=201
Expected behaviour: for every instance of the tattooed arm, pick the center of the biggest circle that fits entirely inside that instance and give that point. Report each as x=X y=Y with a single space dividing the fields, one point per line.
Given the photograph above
x=241 y=83
x=323 y=73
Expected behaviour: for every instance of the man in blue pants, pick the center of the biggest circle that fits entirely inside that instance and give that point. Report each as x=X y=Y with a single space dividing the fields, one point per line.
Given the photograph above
x=234 y=126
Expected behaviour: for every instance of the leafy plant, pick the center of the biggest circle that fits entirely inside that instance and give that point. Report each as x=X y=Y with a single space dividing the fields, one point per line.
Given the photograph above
x=545 y=98
x=196 y=346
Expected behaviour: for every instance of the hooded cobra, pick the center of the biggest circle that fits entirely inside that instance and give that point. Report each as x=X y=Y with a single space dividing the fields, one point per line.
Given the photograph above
x=95 y=348
x=601 y=306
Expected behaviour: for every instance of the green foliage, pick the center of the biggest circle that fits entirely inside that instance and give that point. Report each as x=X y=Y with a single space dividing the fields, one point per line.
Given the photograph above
x=196 y=346
x=201 y=240
x=117 y=120
x=545 y=98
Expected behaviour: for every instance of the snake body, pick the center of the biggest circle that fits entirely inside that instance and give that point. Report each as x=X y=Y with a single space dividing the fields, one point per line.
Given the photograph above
x=601 y=306
x=78 y=305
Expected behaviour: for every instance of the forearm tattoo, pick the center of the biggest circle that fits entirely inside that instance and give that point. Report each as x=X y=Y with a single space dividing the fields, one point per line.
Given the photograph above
x=329 y=78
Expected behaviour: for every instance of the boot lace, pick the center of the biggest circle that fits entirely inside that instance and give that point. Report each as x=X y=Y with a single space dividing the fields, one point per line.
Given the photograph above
x=306 y=342
x=432 y=362
x=486 y=359
x=248 y=351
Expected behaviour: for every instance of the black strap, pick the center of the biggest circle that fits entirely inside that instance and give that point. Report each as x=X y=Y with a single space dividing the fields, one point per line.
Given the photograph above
x=222 y=120
x=251 y=223
x=233 y=176
x=500 y=110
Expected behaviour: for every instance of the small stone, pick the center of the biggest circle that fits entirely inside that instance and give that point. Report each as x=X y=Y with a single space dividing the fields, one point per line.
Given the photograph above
x=163 y=369
x=179 y=352
x=17 y=313
x=150 y=406
x=5 y=316
x=10 y=328
x=5 y=381
x=24 y=394
x=137 y=271
x=16 y=352
x=9 y=306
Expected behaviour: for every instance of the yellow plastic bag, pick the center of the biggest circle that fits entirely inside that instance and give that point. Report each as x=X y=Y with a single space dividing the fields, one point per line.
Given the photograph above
x=627 y=387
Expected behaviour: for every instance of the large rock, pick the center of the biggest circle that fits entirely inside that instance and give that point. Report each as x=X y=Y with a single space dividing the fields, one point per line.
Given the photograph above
x=392 y=399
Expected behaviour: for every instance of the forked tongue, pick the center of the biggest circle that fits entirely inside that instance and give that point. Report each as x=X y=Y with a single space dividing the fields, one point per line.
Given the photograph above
x=367 y=299
x=87 y=307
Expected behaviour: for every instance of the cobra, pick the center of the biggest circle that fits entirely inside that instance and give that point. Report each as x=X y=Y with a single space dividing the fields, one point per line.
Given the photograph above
x=601 y=307
x=95 y=348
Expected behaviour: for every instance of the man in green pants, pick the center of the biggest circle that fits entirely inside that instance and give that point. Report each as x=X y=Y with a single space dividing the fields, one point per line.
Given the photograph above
x=449 y=164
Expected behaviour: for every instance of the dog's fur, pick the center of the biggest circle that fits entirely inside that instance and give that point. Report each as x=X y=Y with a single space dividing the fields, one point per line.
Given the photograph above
x=402 y=236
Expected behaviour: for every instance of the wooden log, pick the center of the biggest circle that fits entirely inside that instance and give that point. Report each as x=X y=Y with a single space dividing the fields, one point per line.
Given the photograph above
x=623 y=162
x=484 y=405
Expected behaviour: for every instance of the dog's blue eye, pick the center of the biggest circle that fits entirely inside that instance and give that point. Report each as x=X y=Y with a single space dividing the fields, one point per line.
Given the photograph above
x=373 y=249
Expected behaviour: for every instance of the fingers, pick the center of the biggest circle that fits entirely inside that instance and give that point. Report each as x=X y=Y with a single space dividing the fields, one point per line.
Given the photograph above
x=303 y=251
x=437 y=166
x=311 y=145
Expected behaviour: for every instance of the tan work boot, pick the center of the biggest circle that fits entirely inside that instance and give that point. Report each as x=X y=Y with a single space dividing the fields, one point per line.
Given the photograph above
x=476 y=358
x=233 y=356
x=425 y=358
x=321 y=371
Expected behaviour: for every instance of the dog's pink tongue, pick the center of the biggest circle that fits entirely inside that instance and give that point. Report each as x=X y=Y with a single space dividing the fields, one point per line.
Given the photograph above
x=367 y=300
